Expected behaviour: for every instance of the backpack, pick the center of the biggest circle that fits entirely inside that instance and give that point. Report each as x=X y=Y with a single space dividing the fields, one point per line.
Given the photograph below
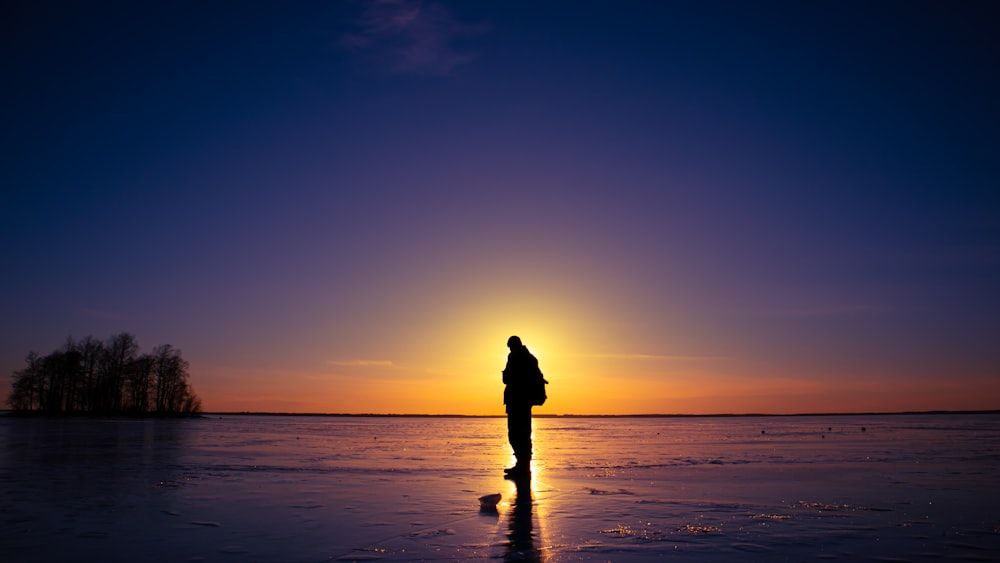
x=537 y=390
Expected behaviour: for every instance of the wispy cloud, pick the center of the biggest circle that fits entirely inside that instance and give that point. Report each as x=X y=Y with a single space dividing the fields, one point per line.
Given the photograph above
x=410 y=37
x=648 y=357
x=360 y=363
x=823 y=311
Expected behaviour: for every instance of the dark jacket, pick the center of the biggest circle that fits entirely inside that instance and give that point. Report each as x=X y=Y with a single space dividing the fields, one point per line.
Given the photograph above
x=520 y=373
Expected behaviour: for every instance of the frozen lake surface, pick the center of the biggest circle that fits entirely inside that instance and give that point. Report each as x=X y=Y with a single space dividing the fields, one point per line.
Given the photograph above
x=262 y=488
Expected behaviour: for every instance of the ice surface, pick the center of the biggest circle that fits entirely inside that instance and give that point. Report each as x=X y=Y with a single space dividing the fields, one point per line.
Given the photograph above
x=245 y=488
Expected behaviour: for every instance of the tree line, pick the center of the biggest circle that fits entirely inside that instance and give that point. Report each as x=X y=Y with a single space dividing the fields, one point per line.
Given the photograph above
x=105 y=378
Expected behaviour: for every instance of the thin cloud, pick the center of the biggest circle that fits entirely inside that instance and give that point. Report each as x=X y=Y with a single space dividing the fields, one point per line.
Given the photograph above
x=648 y=357
x=410 y=37
x=360 y=363
x=824 y=311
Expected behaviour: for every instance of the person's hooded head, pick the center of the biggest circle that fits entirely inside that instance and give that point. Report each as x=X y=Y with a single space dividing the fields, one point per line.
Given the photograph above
x=514 y=343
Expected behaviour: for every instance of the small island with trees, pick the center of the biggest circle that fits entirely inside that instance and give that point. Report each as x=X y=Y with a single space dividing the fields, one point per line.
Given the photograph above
x=109 y=378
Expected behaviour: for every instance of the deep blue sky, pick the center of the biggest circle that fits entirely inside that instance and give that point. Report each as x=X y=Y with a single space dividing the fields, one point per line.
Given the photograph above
x=710 y=206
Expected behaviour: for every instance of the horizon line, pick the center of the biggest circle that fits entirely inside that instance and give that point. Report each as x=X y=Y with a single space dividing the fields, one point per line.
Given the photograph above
x=632 y=415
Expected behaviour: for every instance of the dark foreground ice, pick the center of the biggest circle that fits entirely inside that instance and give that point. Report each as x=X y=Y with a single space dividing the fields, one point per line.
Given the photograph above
x=259 y=488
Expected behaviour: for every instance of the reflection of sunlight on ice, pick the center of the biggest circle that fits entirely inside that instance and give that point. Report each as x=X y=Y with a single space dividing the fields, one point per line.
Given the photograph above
x=540 y=448
x=541 y=513
x=524 y=520
x=525 y=506
x=539 y=502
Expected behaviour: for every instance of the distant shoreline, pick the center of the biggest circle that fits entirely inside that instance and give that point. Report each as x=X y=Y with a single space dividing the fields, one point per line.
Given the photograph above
x=543 y=415
x=13 y=414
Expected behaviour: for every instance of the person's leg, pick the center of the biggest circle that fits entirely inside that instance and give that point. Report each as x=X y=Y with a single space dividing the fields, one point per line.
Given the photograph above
x=519 y=434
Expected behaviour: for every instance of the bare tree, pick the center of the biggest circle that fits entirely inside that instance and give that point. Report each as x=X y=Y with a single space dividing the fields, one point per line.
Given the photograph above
x=119 y=352
x=91 y=351
x=27 y=389
x=171 y=379
x=139 y=374
x=105 y=378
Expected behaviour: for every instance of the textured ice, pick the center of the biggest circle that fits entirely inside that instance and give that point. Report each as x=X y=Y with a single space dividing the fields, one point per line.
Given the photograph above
x=244 y=488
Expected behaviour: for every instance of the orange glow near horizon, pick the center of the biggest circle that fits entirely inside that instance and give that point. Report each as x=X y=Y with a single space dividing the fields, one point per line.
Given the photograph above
x=416 y=391
x=435 y=349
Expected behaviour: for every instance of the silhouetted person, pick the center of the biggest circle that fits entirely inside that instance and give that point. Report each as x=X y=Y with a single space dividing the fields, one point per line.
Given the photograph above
x=520 y=376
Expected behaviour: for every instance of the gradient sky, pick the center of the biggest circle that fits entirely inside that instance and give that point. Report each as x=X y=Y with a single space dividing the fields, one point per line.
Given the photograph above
x=681 y=207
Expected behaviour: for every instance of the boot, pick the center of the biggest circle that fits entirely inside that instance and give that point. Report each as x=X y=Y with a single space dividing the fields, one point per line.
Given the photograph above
x=521 y=468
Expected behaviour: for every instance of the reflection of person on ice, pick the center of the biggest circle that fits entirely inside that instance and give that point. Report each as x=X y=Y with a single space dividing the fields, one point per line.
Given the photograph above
x=525 y=387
